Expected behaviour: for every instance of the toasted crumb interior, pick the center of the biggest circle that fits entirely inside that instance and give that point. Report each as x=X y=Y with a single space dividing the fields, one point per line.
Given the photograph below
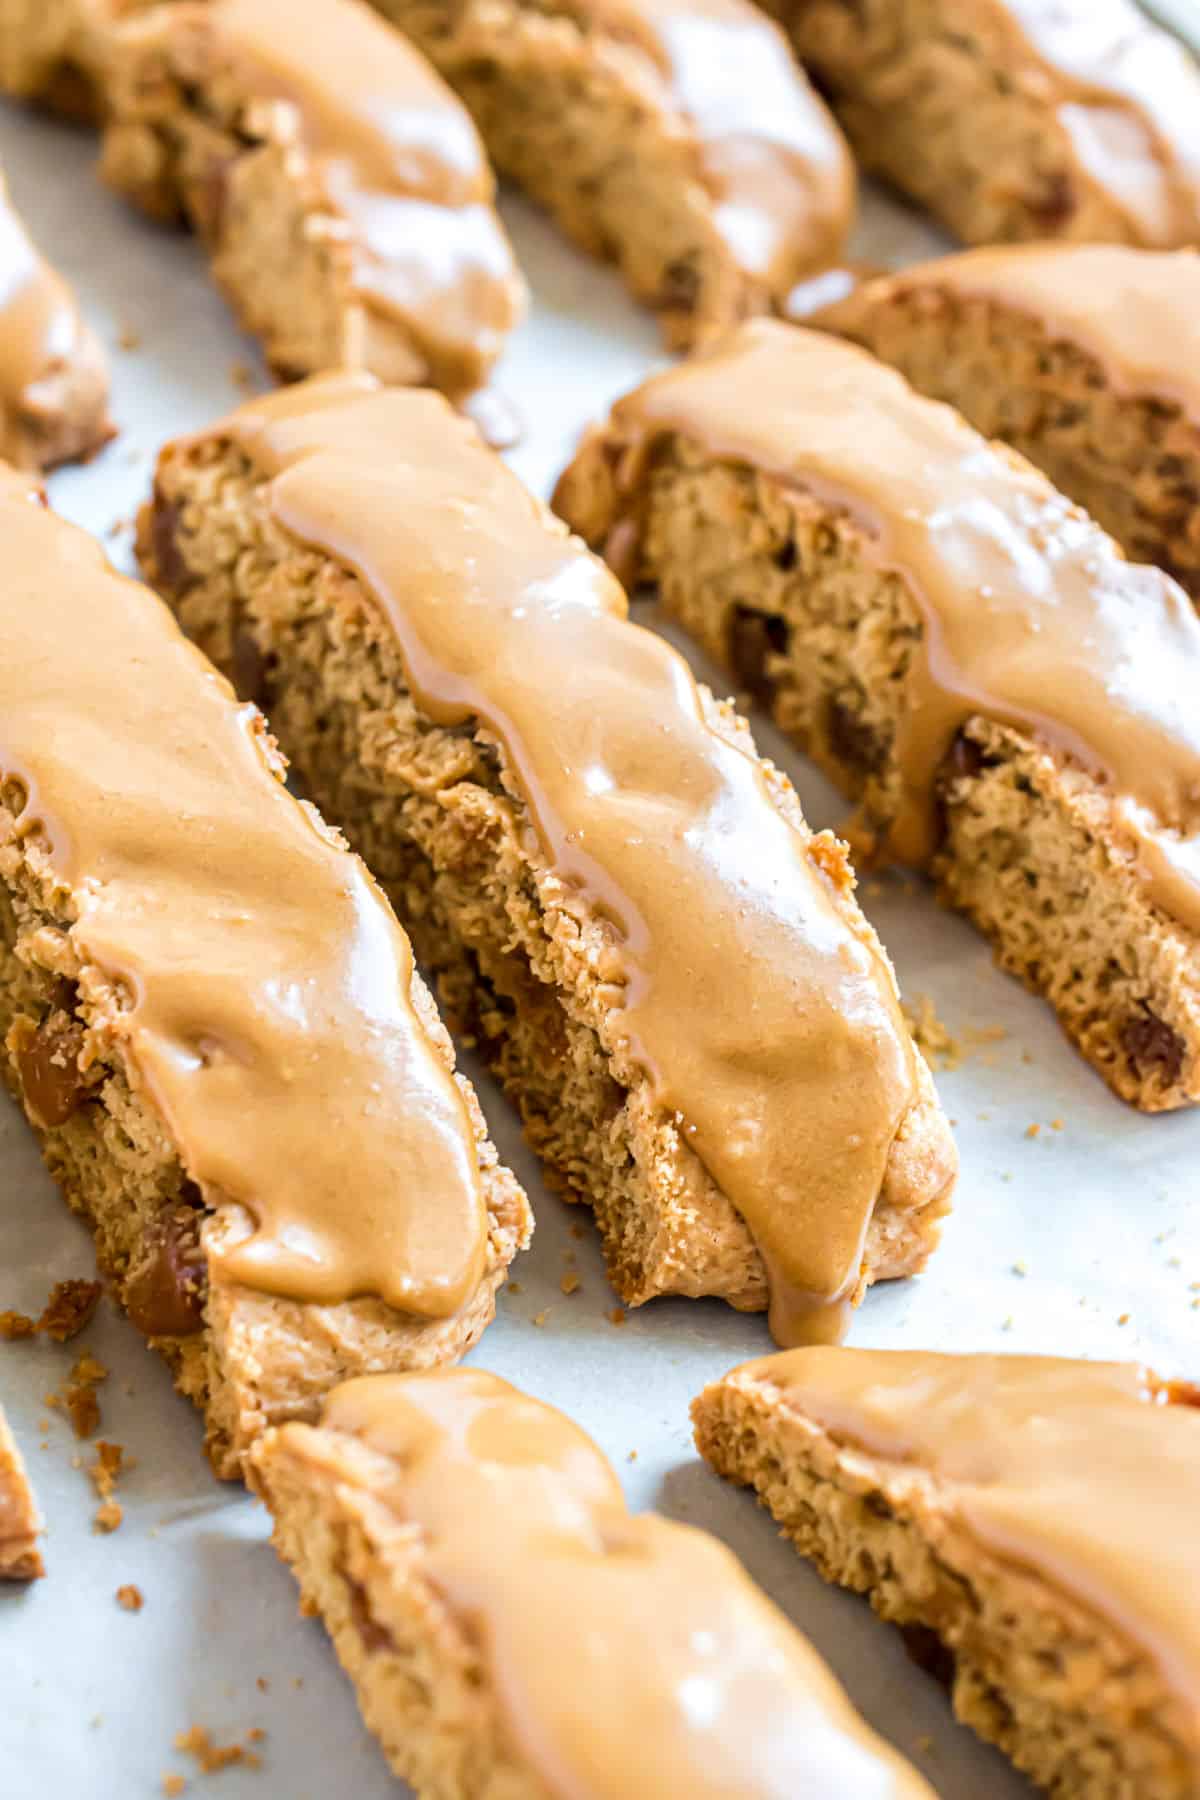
x=1078 y=1707
x=1131 y=460
x=783 y=592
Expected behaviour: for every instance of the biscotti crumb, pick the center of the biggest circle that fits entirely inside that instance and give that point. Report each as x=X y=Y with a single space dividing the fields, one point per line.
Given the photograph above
x=16 y=1325
x=173 y=1785
x=1056 y=1125
x=1123 y=1318
x=1031 y=1131
x=1021 y=1269
x=540 y=1318
x=104 y=1474
x=130 y=1597
x=617 y=1316
x=242 y=377
x=80 y=1399
x=514 y=1287
x=570 y=1283
x=197 y=1742
x=128 y=338
x=69 y=1308
x=109 y=1516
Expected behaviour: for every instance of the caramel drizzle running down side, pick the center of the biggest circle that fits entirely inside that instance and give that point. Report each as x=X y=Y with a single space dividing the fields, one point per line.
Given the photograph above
x=1032 y=616
x=269 y=987
x=40 y=326
x=689 y=1674
x=1136 y=312
x=1086 y=1473
x=762 y=1017
x=1128 y=97
x=777 y=164
x=400 y=159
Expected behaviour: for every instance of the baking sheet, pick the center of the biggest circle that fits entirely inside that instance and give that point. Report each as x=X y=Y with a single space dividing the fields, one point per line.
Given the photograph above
x=1079 y=1239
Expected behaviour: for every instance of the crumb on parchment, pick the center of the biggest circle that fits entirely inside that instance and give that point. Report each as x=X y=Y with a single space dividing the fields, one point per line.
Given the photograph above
x=617 y=1316
x=570 y=1282
x=69 y=1309
x=16 y=1325
x=130 y=1597
x=941 y=1049
x=173 y=1786
x=104 y=1474
x=210 y=1757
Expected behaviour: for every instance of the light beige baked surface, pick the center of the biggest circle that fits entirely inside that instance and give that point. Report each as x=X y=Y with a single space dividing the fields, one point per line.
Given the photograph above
x=522 y=967
x=20 y=1521
x=514 y=1634
x=1084 y=357
x=677 y=138
x=249 y=1343
x=1024 y=1518
x=786 y=573
x=1016 y=119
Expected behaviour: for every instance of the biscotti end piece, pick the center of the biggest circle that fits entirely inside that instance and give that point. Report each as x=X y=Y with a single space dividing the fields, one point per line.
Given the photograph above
x=1084 y=357
x=1013 y=119
x=212 y=1020
x=1007 y=699
x=512 y=1631
x=758 y=1134
x=1035 y=1514
x=53 y=376
x=684 y=144
x=339 y=186
x=20 y=1520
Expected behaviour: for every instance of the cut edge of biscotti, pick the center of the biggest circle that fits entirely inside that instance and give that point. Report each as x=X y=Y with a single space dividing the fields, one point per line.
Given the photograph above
x=1032 y=1663
x=755 y=583
x=588 y=122
x=188 y=138
x=247 y=1355
x=1078 y=355
x=20 y=1518
x=387 y=1564
x=679 y=1233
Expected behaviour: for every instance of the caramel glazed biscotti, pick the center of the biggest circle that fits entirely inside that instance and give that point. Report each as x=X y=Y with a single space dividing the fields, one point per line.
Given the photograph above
x=624 y=908
x=1034 y=1514
x=211 y=1018
x=1010 y=702
x=1085 y=357
x=514 y=1634
x=678 y=138
x=1015 y=119
x=338 y=185
x=53 y=378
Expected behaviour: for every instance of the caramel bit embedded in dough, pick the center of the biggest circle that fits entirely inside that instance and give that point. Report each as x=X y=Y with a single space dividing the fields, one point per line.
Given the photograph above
x=165 y=1291
x=69 y=1309
x=47 y=1056
x=130 y=1597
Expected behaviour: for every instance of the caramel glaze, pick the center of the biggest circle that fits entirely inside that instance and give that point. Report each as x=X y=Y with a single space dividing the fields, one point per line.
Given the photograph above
x=399 y=158
x=40 y=331
x=1128 y=97
x=1032 y=616
x=1087 y=1473
x=1136 y=312
x=776 y=163
x=266 y=1006
x=762 y=1016
x=684 y=1665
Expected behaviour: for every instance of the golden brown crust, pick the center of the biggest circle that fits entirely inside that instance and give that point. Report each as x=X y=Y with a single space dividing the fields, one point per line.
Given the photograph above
x=20 y=1521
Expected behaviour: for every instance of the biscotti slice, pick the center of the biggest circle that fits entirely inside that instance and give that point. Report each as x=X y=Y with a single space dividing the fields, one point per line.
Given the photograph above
x=1084 y=357
x=624 y=908
x=680 y=140
x=1016 y=119
x=1035 y=1515
x=1010 y=702
x=20 y=1520
x=53 y=378
x=338 y=185
x=511 y=1630
x=211 y=1018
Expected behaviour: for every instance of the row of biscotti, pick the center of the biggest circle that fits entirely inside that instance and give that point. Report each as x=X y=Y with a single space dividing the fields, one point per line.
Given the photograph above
x=211 y=1016
x=512 y=1630
x=1009 y=700
x=346 y=203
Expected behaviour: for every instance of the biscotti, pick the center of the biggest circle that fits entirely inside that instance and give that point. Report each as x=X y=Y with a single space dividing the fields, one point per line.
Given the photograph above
x=623 y=906
x=681 y=141
x=1084 y=357
x=20 y=1520
x=338 y=184
x=1016 y=119
x=52 y=51
x=1010 y=702
x=53 y=377
x=1035 y=1516
x=511 y=1630
x=211 y=1018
